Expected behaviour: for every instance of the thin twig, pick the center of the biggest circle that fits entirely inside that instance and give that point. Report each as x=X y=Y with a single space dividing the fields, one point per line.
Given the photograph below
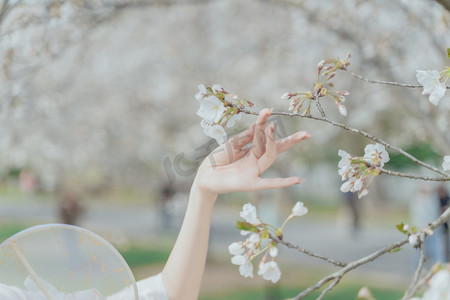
x=360 y=132
x=411 y=289
x=423 y=281
x=412 y=176
x=307 y=252
x=351 y=266
x=319 y=106
x=385 y=82
x=371 y=257
x=330 y=287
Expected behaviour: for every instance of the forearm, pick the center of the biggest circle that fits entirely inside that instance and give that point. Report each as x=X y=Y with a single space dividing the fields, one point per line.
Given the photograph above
x=183 y=272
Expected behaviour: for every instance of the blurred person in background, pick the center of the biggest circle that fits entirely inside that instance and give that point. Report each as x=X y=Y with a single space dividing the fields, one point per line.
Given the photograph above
x=444 y=200
x=70 y=208
x=353 y=205
x=165 y=206
x=424 y=209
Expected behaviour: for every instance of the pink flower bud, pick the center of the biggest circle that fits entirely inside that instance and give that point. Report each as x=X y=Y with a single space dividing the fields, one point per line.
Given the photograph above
x=343 y=93
x=320 y=65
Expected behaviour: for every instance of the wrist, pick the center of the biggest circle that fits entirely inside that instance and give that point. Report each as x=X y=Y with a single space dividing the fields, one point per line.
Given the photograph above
x=202 y=193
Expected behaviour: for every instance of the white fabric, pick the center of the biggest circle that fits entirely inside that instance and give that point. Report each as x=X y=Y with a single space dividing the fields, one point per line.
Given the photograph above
x=151 y=288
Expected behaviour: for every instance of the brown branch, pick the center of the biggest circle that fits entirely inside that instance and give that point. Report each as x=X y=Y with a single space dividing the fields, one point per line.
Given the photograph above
x=307 y=252
x=336 y=276
x=385 y=82
x=412 y=176
x=412 y=288
x=360 y=132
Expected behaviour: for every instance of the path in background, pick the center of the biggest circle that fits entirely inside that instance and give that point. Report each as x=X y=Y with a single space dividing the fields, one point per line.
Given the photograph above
x=322 y=236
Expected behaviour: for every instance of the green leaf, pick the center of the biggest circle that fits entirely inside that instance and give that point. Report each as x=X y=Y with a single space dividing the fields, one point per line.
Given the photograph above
x=396 y=250
x=448 y=52
x=246 y=226
x=400 y=228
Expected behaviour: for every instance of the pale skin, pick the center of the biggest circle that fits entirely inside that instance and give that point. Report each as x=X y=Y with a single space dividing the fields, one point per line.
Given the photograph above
x=232 y=167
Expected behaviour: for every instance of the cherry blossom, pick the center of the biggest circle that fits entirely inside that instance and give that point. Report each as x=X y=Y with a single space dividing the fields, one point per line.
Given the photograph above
x=236 y=248
x=439 y=287
x=216 y=132
x=202 y=92
x=376 y=153
x=344 y=164
x=299 y=209
x=246 y=270
x=273 y=252
x=248 y=213
x=269 y=271
x=358 y=172
x=412 y=239
x=211 y=109
x=342 y=110
x=432 y=85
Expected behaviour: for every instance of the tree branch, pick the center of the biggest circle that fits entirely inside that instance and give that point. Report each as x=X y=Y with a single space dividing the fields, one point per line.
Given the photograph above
x=385 y=82
x=336 y=276
x=445 y=177
x=307 y=252
x=412 y=176
x=412 y=288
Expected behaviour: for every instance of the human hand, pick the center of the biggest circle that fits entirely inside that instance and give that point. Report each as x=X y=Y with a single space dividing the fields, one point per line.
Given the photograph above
x=233 y=167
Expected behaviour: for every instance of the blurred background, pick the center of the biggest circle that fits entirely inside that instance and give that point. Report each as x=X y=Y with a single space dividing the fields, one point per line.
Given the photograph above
x=98 y=126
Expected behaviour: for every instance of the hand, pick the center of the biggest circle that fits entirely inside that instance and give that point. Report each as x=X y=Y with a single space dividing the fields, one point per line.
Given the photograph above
x=233 y=167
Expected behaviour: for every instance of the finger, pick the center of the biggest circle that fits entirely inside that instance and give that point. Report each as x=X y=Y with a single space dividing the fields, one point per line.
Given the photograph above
x=259 y=139
x=243 y=138
x=232 y=149
x=286 y=143
x=270 y=155
x=275 y=183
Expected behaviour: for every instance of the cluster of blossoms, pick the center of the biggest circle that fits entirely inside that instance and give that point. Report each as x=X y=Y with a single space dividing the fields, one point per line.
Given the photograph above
x=218 y=109
x=322 y=87
x=433 y=83
x=358 y=172
x=439 y=286
x=260 y=241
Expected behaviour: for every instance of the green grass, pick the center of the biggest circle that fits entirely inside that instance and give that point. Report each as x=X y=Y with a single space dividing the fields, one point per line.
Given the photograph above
x=137 y=256
x=9 y=229
x=341 y=292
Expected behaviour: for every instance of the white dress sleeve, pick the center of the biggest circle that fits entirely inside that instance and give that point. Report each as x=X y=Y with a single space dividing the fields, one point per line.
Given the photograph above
x=151 y=288
x=13 y=293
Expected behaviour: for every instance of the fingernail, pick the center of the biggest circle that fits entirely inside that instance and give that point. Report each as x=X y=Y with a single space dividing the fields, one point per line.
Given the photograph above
x=303 y=135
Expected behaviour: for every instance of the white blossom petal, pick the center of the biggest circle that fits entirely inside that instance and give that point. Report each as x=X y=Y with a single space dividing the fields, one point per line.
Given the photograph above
x=246 y=270
x=216 y=132
x=248 y=213
x=270 y=271
x=432 y=85
x=236 y=249
x=299 y=209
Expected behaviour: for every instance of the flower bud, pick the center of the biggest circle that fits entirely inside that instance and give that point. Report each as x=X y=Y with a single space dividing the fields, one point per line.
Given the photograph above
x=343 y=93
